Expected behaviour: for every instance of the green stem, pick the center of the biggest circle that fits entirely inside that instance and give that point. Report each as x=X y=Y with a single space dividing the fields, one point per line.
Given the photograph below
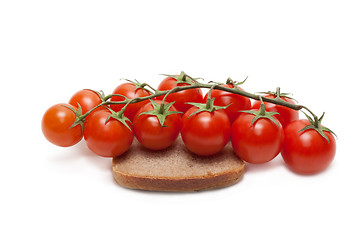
x=91 y=110
x=278 y=92
x=316 y=122
x=183 y=76
x=313 y=114
x=112 y=95
x=277 y=101
x=208 y=100
x=262 y=107
x=121 y=112
x=162 y=108
x=203 y=85
x=162 y=105
x=229 y=81
x=148 y=85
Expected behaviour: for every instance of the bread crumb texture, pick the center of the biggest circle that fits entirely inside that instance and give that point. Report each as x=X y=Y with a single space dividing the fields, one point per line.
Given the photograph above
x=176 y=169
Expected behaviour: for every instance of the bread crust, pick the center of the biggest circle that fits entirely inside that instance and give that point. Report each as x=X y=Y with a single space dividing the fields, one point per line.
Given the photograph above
x=177 y=184
x=213 y=175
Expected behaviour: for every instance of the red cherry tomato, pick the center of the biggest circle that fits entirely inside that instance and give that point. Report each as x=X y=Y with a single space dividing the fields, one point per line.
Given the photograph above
x=149 y=131
x=56 y=124
x=238 y=102
x=87 y=99
x=307 y=152
x=182 y=97
x=128 y=90
x=108 y=139
x=286 y=115
x=205 y=133
x=259 y=142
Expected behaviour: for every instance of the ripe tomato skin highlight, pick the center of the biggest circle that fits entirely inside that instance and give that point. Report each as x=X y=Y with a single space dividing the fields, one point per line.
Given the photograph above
x=257 y=143
x=205 y=133
x=307 y=152
x=56 y=124
x=149 y=131
x=238 y=102
x=87 y=99
x=128 y=90
x=182 y=97
x=286 y=116
x=109 y=139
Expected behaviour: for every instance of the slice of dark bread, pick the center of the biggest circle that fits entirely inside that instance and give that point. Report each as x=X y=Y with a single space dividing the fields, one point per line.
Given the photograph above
x=176 y=169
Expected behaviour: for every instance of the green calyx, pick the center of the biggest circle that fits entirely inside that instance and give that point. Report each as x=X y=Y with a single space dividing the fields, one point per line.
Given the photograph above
x=235 y=83
x=100 y=93
x=161 y=111
x=262 y=113
x=208 y=107
x=279 y=94
x=230 y=82
x=119 y=116
x=183 y=78
x=137 y=84
x=80 y=119
x=140 y=85
x=315 y=124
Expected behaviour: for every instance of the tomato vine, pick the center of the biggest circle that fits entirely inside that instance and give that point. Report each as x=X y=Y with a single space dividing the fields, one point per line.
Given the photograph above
x=193 y=83
x=155 y=116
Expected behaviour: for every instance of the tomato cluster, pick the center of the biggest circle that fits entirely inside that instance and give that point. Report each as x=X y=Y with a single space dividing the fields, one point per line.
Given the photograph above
x=258 y=132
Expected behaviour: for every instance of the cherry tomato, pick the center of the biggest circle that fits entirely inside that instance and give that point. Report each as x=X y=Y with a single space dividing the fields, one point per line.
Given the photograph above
x=149 y=131
x=307 y=152
x=286 y=115
x=259 y=142
x=87 y=99
x=205 y=133
x=108 y=139
x=238 y=102
x=182 y=97
x=56 y=124
x=128 y=90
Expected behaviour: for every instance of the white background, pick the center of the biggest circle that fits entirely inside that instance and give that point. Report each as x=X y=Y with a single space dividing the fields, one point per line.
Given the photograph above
x=51 y=49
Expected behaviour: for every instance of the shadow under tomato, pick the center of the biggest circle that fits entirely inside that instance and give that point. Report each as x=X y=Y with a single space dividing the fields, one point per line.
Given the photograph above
x=277 y=162
x=97 y=161
x=310 y=174
x=80 y=152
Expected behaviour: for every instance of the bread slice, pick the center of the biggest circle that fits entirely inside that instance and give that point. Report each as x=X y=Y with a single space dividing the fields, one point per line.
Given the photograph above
x=176 y=169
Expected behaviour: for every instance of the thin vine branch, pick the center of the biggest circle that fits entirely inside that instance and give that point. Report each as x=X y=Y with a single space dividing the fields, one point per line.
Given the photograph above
x=277 y=101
